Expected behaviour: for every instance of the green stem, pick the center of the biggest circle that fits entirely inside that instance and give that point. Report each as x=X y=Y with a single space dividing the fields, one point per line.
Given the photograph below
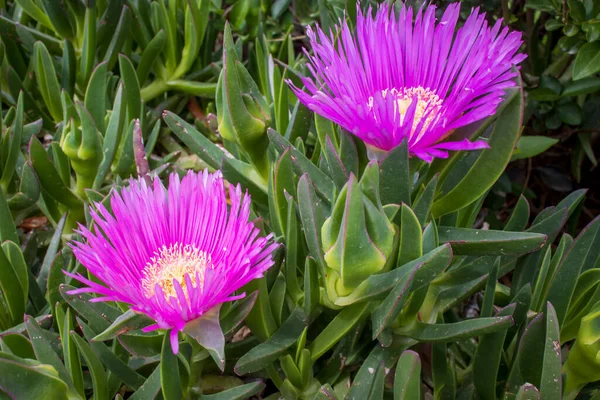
x=153 y=90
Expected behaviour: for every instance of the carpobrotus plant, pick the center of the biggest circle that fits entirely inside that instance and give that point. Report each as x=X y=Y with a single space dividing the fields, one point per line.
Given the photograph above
x=174 y=254
x=395 y=79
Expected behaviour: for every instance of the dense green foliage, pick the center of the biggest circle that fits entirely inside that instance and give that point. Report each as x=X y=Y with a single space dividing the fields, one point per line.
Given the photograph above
x=471 y=285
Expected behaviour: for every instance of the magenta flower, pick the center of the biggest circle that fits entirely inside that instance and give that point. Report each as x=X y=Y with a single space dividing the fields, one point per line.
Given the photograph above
x=173 y=254
x=395 y=79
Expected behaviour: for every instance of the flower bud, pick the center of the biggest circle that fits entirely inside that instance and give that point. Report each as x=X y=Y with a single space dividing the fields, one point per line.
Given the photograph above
x=358 y=240
x=84 y=149
x=242 y=112
x=583 y=362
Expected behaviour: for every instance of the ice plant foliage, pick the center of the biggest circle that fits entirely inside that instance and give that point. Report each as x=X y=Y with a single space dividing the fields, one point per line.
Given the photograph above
x=405 y=76
x=173 y=254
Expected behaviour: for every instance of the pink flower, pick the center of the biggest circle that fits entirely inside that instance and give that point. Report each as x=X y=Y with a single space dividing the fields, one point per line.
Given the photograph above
x=395 y=79
x=173 y=254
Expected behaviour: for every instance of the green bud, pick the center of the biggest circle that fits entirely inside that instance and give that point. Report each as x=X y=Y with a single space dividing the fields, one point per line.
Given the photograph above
x=583 y=362
x=242 y=113
x=83 y=146
x=358 y=239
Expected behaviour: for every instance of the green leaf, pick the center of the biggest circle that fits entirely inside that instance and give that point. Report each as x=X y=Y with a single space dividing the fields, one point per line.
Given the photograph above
x=337 y=328
x=365 y=377
x=313 y=213
x=170 y=380
x=520 y=216
x=112 y=137
x=529 y=356
x=95 y=95
x=311 y=286
x=88 y=51
x=70 y=352
x=411 y=238
x=98 y=315
x=150 y=388
x=395 y=185
x=118 y=37
x=390 y=308
x=17 y=262
x=126 y=322
x=323 y=184
x=44 y=351
x=457 y=330
x=28 y=379
x=206 y=329
x=194 y=140
x=260 y=319
x=423 y=203
x=429 y=267
x=59 y=17
x=551 y=382
x=132 y=88
x=99 y=377
x=11 y=291
x=528 y=392
x=582 y=86
x=486 y=361
x=587 y=62
x=531 y=146
x=237 y=393
x=237 y=313
x=49 y=177
x=236 y=171
x=13 y=140
x=407 y=381
x=47 y=81
x=150 y=56
x=8 y=230
x=487 y=306
x=50 y=255
x=263 y=354
x=111 y=360
x=491 y=162
x=563 y=281
x=490 y=242
x=39 y=15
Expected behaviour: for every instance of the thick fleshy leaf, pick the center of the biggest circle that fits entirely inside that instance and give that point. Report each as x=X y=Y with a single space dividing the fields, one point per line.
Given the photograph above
x=477 y=242
x=194 y=140
x=126 y=322
x=395 y=184
x=99 y=376
x=487 y=359
x=28 y=379
x=390 y=308
x=207 y=331
x=303 y=165
x=337 y=328
x=490 y=164
x=457 y=330
x=238 y=393
x=551 y=381
x=170 y=381
x=429 y=267
x=111 y=360
x=285 y=337
x=407 y=381
x=563 y=281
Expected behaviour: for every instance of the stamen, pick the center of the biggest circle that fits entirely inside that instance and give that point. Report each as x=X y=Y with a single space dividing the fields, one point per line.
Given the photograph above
x=171 y=264
x=428 y=103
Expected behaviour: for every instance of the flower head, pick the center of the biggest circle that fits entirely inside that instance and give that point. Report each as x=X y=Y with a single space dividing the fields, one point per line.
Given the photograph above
x=395 y=79
x=173 y=254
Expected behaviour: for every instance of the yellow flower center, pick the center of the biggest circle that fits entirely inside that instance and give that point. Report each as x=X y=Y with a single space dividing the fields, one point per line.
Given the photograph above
x=428 y=104
x=171 y=264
